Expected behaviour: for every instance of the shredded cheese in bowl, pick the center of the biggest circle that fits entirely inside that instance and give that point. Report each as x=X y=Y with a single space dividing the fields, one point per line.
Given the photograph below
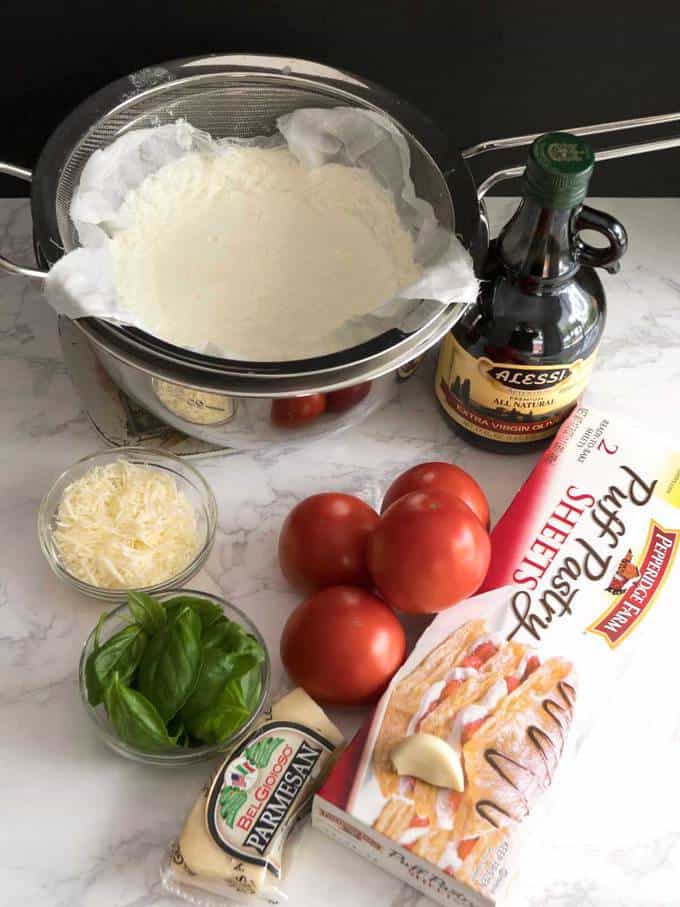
x=125 y=526
x=117 y=522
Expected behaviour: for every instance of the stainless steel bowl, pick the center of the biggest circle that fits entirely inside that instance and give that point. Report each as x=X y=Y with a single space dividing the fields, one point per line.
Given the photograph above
x=229 y=402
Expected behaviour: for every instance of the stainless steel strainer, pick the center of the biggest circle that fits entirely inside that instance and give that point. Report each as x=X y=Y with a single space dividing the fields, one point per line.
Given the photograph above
x=228 y=104
x=238 y=96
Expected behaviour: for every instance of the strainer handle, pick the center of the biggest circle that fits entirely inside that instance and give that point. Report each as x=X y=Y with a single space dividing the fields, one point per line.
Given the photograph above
x=5 y=264
x=605 y=154
x=597 y=129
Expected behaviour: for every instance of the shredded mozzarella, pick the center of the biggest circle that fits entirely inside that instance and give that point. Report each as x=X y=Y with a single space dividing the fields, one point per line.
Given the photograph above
x=125 y=526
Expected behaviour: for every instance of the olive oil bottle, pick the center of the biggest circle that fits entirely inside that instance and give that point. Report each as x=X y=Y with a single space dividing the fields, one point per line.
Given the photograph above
x=512 y=368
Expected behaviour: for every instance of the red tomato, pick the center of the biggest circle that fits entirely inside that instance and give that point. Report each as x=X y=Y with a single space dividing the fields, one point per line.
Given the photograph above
x=440 y=477
x=294 y=412
x=342 y=645
x=428 y=552
x=323 y=542
x=342 y=400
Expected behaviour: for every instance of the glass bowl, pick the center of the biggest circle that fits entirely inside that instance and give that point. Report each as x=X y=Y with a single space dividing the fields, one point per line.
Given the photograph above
x=115 y=621
x=188 y=479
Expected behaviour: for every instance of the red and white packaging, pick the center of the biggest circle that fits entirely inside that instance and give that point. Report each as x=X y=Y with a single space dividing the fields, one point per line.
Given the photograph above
x=580 y=591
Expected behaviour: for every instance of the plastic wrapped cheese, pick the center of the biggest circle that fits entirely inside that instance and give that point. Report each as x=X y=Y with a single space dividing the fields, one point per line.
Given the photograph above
x=231 y=846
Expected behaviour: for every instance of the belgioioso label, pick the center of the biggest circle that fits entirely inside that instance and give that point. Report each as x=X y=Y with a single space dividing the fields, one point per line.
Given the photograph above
x=507 y=402
x=257 y=794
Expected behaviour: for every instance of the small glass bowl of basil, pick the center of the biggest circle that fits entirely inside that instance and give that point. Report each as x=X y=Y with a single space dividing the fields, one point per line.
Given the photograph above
x=174 y=679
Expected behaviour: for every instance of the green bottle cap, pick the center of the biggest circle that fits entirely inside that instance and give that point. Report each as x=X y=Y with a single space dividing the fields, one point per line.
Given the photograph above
x=558 y=170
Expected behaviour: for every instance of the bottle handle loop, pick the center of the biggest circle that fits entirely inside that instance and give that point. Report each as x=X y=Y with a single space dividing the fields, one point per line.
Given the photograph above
x=609 y=256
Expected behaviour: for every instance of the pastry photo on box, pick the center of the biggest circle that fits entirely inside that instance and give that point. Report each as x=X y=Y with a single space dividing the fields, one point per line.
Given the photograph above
x=457 y=764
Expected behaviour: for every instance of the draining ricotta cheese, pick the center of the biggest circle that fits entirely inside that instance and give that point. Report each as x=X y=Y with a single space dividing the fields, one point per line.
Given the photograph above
x=253 y=254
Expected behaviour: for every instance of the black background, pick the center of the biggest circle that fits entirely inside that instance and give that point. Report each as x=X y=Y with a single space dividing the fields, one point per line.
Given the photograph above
x=481 y=69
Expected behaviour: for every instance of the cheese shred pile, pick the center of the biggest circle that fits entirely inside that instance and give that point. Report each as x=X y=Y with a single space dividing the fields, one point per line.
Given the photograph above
x=125 y=526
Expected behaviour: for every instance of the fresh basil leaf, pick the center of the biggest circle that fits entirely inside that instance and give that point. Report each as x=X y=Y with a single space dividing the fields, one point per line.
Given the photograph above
x=98 y=629
x=178 y=733
x=251 y=688
x=228 y=636
x=236 y=703
x=218 y=670
x=147 y=612
x=121 y=653
x=228 y=653
x=171 y=663
x=207 y=610
x=134 y=718
x=225 y=715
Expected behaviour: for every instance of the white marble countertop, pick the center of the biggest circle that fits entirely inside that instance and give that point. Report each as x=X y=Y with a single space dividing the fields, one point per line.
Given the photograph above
x=81 y=826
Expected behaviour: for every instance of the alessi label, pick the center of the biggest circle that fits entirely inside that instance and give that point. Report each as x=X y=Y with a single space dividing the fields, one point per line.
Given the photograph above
x=506 y=401
x=260 y=791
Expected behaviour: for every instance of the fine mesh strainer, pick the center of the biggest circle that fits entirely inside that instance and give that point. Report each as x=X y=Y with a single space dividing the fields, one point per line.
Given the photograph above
x=229 y=104
x=228 y=97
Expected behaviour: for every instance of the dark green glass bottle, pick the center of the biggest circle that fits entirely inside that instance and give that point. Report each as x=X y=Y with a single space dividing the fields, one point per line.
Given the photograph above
x=512 y=368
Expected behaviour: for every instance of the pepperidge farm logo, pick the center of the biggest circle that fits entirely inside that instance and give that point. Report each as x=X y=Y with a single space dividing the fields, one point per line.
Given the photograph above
x=639 y=585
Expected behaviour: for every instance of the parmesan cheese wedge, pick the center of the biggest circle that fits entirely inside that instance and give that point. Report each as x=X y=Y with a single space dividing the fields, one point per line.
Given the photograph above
x=429 y=758
x=233 y=839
